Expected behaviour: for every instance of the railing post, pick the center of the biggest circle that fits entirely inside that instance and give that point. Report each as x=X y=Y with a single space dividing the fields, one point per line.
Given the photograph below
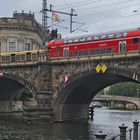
x=100 y=135
x=123 y=132
x=91 y=112
x=135 y=132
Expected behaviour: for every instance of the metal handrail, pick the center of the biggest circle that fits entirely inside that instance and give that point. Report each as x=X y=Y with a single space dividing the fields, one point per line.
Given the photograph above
x=128 y=131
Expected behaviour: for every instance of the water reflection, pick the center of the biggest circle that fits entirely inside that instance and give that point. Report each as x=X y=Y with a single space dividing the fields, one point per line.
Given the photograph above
x=13 y=128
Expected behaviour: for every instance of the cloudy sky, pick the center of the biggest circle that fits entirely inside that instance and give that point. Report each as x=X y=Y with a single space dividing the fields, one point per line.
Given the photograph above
x=97 y=16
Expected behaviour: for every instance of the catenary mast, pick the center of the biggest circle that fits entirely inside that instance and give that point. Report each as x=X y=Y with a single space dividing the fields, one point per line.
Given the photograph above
x=44 y=20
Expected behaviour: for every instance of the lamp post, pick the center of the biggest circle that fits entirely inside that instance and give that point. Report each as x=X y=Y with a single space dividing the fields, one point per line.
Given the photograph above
x=138 y=92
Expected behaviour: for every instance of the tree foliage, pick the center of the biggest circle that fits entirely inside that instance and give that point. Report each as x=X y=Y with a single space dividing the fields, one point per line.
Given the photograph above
x=53 y=34
x=23 y=95
x=124 y=89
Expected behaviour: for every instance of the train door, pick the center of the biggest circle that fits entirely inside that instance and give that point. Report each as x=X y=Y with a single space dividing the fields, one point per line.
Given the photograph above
x=66 y=52
x=13 y=58
x=28 y=56
x=122 y=47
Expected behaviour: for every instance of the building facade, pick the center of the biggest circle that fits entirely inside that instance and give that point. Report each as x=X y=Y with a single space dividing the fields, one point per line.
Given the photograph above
x=20 y=33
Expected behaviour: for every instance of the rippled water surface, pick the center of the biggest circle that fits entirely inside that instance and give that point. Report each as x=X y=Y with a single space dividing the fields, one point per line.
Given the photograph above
x=12 y=127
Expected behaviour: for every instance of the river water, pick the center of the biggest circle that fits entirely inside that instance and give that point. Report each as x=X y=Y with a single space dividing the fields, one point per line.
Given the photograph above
x=13 y=128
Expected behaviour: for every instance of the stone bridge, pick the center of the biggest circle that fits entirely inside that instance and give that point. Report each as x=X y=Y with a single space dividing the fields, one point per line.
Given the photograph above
x=126 y=100
x=35 y=77
x=68 y=99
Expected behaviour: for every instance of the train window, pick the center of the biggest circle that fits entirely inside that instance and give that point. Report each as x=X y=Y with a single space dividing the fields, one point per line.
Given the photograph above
x=96 y=52
x=28 y=56
x=13 y=58
x=102 y=51
x=34 y=56
x=82 y=39
x=89 y=38
x=5 y=58
x=70 y=41
x=122 y=46
x=109 y=50
x=65 y=41
x=118 y=35
x=103 y=37
x=81 y=53
x=75 y=53
x=89 y=52
x=124 y=34
x=66 y=52
x=57 y=49
x=96 y=38
x=76 y=40
x=86 y=52
x=111 y=36
x=23 y=57
x=135 y=40
x=17 y=57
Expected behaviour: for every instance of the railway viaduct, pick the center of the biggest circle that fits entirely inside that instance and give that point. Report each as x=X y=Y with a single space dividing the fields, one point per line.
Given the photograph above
x=66 y=87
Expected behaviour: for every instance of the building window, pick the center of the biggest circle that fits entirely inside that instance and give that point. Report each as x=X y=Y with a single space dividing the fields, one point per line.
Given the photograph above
x=12 y=46
x=27 y=46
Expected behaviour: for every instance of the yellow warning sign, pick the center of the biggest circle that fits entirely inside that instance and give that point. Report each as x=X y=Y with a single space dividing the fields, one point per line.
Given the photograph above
x=98 y=68
x=102 y=68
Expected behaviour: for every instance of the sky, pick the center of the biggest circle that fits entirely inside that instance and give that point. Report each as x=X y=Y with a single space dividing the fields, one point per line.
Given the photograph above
x=93 y=16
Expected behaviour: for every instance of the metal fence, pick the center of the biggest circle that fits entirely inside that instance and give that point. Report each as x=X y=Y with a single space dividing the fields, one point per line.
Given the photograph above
x=125 y=134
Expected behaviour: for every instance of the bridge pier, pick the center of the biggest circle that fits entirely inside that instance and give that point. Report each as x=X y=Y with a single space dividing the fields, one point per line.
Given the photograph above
x=5 y=106
x=39 y=108
x=66 y=112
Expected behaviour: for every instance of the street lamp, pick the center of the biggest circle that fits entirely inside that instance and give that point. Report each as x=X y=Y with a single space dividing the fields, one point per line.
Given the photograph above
x=138 y=92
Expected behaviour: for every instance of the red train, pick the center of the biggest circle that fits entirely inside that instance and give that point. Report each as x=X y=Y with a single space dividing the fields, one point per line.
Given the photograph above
x=96 y=45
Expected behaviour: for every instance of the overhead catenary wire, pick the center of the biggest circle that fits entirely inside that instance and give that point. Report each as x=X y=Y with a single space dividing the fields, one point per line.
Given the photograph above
x=99 y=6
x=105 y=11
x=74 y=3
x=117 y=13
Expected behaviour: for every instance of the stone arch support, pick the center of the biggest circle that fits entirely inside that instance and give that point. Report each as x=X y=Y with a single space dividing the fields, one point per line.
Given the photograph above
x=10 y=84
x=76 y=94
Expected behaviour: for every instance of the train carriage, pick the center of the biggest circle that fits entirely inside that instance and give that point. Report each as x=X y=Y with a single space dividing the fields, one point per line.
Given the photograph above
x=95 y=45
x=23 y=56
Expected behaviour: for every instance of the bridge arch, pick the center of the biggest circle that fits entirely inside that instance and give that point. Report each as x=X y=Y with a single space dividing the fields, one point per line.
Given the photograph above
x=121 y=99
x=10 y=84
x=74 y=98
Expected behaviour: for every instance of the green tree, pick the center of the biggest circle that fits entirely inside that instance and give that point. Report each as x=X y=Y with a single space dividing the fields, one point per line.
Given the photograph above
x=124 y=89
x=23 y=95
